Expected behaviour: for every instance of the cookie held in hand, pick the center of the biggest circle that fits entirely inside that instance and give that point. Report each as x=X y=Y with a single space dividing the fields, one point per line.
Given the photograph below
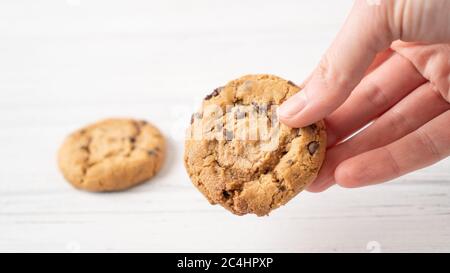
x=240 y=156
x=112 y=155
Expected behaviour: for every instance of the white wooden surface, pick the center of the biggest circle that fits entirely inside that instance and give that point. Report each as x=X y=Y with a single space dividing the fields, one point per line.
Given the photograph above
x=67 y=63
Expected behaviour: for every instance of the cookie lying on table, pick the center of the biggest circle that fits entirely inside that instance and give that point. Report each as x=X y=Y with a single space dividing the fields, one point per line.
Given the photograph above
x=112 y=155
x=238 y=154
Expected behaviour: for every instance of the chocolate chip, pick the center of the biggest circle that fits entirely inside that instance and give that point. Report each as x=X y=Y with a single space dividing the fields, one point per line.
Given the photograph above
x=226 y=194
x=290 y=162
x=84 y=148
x=313 y=127
x=143 y=122
x=255 y=106
x=228 y=135
x=312 y=147
x=215 y=93
x=263 y=109
x=240 y=115
x=132 y=139
x=219 y=126
x=152 y=152
x=196 y=116
x=282 y=188
x=268 y=106
x=291 y=83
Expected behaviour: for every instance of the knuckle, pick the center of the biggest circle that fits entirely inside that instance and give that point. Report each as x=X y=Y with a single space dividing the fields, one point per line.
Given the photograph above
x=375 y=96
x=400 y=122
x=393 y=162
x=332 y=77
x=323 y=70
x=426 y=142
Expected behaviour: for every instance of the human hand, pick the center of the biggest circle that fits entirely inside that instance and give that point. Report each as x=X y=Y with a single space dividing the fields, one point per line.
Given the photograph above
x=402 y=86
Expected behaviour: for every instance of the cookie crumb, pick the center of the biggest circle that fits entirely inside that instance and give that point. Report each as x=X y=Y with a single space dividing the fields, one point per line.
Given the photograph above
x=215 y=93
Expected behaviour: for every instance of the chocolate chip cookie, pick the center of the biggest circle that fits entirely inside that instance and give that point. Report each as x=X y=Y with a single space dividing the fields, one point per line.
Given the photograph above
x=240 y=156
x=112 y=155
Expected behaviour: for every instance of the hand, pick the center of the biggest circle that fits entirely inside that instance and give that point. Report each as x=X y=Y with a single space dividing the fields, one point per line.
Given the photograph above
x=402 y=86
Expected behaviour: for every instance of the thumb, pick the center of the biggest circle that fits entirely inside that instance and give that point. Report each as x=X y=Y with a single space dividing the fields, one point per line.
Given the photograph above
x=365 y=33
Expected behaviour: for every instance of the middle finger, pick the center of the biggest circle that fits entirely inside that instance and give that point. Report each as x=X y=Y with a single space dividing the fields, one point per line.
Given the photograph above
x=416 y=109
x=378 y=92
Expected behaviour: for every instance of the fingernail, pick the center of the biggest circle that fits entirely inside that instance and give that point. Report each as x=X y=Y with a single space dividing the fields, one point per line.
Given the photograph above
x=293 y=105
